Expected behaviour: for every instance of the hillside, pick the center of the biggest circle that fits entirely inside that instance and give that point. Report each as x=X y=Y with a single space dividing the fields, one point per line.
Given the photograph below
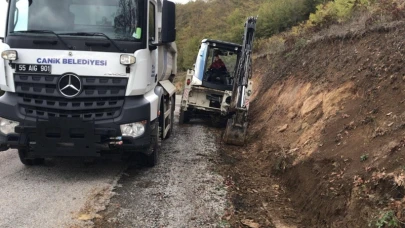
x=327 y=135
x=327 y=124
x=223 y=20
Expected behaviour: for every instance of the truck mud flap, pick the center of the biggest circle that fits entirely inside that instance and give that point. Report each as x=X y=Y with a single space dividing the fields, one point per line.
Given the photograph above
x=65 y=137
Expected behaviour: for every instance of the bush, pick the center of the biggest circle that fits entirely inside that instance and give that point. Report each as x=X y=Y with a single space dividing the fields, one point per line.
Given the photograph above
x=386 y=219
x=278 y=15
x=337 y=11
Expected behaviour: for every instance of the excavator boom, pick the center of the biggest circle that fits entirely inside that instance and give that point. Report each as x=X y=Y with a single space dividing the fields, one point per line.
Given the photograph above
x=236 y=129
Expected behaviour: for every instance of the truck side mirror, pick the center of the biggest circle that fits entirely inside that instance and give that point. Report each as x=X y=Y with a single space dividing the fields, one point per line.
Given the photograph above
x=2 y=39
x=168 y=22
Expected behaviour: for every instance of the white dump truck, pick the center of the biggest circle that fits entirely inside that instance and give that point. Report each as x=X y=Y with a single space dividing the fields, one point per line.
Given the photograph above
x=87 y=78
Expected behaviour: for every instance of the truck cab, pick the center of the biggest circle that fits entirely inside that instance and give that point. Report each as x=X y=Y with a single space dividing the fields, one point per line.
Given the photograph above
x=87 y=77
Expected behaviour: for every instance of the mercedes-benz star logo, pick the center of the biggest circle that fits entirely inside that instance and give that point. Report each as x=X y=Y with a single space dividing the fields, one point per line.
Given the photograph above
x=70 y=85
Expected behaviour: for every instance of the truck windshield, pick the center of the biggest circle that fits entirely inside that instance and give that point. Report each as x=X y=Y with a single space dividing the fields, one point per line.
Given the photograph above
x=119 y=19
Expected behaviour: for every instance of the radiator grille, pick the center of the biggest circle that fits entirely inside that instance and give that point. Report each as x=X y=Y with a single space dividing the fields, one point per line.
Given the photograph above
x=39 y=97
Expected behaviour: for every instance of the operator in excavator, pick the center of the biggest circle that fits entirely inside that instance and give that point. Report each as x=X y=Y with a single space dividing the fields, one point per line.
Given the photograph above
x=217 y=64
x=217 y=71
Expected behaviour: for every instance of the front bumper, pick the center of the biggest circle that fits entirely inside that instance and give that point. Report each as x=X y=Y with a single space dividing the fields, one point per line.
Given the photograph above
x=58 y=136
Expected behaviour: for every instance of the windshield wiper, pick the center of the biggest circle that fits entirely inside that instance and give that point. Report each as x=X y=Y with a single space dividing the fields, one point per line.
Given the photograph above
x=46 y=31
x=94 y=34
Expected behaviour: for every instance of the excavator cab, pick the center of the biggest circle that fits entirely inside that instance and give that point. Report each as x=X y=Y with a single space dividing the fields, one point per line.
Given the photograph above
x=208 y=87
x=220 y=63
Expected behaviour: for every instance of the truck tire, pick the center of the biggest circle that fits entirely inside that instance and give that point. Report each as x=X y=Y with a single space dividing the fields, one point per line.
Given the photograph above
x=22 y=153
x=184 y=117
x=171 y=117
x=152 y=155
x=173 y=107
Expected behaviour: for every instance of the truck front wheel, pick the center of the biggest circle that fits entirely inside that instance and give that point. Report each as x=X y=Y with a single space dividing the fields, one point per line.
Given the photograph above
x=23 y=154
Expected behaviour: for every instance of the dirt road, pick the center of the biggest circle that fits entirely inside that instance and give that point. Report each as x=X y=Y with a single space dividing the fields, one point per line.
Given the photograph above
x=182 y=191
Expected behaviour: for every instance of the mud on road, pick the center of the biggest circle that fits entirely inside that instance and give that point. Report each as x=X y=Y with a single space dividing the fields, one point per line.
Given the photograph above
x=182 y=191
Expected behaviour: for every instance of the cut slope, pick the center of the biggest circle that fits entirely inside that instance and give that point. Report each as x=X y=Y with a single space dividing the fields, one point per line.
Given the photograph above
x=327 y=134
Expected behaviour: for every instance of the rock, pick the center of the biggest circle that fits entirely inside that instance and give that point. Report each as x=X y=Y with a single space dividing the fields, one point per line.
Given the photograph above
x=393 y=78
x=293 y=150
x=85 y=217
x=297 y=128
x=250 y=223
x=283 y=128
x=291 y=115
x=304 y=126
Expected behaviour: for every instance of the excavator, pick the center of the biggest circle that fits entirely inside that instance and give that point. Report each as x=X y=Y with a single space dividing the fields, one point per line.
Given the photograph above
x=221 y=94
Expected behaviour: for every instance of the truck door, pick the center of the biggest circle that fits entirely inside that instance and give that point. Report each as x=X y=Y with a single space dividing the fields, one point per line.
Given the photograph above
x=152 y=25
x=3 y=19
x=3 y=77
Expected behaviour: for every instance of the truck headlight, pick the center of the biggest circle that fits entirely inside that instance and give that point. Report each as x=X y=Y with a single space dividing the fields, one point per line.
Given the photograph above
x=7 y=126
x=133 y=129
x=9 y=55
x=127 y=59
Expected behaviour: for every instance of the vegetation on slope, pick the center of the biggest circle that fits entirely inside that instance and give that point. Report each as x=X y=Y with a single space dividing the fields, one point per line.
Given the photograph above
x=223 y=19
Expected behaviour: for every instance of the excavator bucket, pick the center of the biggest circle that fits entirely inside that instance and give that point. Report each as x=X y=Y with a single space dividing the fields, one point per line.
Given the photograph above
x=235 y=134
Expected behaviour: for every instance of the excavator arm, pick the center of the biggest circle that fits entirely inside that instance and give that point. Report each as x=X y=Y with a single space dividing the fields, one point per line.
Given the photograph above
x=236 y=128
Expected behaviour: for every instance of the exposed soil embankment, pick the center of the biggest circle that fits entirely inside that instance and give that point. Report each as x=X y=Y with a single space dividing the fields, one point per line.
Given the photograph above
x=326 y=136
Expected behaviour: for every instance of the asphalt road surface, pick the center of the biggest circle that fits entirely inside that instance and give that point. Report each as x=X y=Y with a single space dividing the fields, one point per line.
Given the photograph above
x=182 y=191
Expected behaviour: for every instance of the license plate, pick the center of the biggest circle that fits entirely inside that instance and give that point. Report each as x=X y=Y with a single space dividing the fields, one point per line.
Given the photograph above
x=33 y=68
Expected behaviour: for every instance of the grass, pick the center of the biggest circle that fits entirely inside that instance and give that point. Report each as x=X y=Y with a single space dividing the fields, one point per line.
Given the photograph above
x=386 y=219
x=364 y=157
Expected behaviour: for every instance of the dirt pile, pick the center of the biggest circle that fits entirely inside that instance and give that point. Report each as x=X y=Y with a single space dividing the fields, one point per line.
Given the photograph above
x=327 y=135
